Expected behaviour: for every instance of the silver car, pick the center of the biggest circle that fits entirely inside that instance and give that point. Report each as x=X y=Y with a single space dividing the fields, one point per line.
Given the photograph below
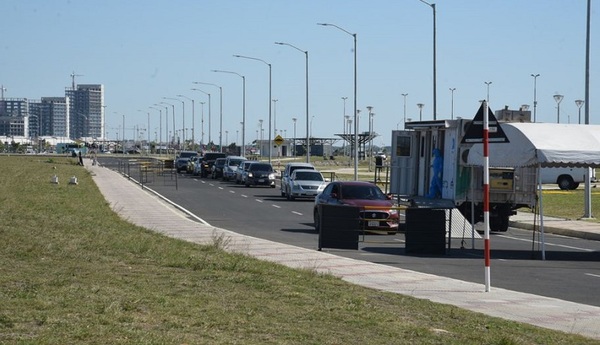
x=304 y=183
x=241 y=172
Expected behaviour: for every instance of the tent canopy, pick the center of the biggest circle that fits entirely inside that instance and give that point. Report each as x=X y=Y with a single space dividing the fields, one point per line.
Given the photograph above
x=544 y=144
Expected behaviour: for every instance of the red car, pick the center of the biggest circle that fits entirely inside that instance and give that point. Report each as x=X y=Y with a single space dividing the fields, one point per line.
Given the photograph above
x=378 y=211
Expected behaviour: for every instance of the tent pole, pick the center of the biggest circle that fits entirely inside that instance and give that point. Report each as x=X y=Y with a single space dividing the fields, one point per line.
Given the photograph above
x=542 y=237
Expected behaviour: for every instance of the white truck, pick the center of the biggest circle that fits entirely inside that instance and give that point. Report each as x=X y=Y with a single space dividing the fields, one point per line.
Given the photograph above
x=566 y=177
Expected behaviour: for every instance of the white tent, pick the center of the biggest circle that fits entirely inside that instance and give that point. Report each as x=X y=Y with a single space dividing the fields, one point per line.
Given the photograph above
x=543 y=144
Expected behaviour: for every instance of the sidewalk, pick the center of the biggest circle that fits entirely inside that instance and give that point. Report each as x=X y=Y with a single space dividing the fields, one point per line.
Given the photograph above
x=143 y=208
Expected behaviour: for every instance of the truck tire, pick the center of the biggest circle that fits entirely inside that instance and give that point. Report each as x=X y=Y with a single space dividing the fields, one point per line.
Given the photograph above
x=499 y=223
x=565 y=182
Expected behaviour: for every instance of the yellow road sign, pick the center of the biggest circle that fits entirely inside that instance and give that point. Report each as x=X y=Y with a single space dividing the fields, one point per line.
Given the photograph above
x=278 y=140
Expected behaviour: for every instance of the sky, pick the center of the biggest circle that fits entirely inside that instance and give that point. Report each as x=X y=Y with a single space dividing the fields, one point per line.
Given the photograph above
x=142 y=51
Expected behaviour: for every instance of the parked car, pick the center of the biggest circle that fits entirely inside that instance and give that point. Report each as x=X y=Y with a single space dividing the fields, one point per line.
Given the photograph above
x=304 y=183
x=231 y=165
x=217 y=168
x=183 y=158
x=287 y=171
x=378 y=211
x=197 y=169
x=242 y=172
x=191 y=166
x=260 y=174
x=207 y=162
x=566 y=178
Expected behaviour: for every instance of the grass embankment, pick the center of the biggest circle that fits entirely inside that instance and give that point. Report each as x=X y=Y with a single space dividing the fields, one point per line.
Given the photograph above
x=73 y=272
x=570 y=203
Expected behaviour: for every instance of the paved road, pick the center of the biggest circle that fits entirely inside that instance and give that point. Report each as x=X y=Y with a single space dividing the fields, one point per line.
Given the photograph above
x=569 y=273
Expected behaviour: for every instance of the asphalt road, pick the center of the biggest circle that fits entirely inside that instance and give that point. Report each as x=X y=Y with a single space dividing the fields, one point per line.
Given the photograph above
x=570 y=272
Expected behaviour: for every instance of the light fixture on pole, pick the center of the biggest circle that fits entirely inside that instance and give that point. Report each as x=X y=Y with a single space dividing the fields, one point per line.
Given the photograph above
x=535 y=95
x=172 y=115
x=306 y=86
x=270 y=91
x=452 y=89
x=434 y=60
x=160 y=104
x=579 y=103
x=420 y=105
x=294 y=141
x=558 y=98
x=488 y=83
x=193 y=120
x=243 y=152
x=220 y=113
x=355 y=94
x=209 y=115
x=404 y=95
x=183 y=117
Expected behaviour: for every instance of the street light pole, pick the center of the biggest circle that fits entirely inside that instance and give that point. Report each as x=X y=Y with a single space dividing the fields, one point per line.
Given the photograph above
x=370 y=109
x=173 y=115
x=209 y=115
x=306 y=86
x=220 y=113
x=294 y=141
x=183 y=118
x=558 y=98
x=159 y=125
x=166 y=122
x=535 y=95
x=579 y=103
x=434 y=60
x=202 y=123
x=243 y=107
x=193 y=120
x=420 y=105
x=270 y=90
x=452 y=89
x=355 y=104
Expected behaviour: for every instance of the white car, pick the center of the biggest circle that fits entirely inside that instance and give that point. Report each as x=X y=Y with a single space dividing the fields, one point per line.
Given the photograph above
x=231 y=166
x=305 y=183
x=242 y=172
x=287 y=172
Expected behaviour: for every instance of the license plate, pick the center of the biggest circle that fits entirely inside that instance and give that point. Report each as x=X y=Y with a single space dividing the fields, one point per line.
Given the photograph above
x=261 y=180
x=373 y=223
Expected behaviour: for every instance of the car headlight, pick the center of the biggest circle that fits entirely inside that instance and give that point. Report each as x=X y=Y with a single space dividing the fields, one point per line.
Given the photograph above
x=271 y=176
x=249 y=174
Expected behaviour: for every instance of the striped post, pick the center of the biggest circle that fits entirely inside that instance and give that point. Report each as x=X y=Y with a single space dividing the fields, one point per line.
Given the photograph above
x=486 y=195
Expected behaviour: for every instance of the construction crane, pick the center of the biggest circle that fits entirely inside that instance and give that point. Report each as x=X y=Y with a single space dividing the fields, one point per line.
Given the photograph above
x=73 y=75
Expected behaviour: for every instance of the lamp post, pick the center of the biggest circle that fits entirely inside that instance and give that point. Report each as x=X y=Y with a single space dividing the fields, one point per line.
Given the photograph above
x=183 y=117
x=344 y=126
x=166 y=122
x=275 y=116
x=355 y=104
x=270 y=89
x=579 y=103
x=243 y=107
x=159 y=124
x=202 y=123
x=193 y=121
x=209 y=115
x=558 y=98
x=534 y=95
x=420 y=105
x=306 y=86
x=404 y=95
x=173 y=115
x=434 y=60
x=220 y=113
x=452 y=89
x=294 y=141
x=488 y=83
x=370 y=109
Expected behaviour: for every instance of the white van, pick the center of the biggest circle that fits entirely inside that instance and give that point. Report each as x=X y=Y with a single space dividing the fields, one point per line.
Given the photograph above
x=565 y=178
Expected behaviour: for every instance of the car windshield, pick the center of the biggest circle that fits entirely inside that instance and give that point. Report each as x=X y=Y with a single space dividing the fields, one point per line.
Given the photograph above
x=362 y=192
x=308 y=176
x=261 y=167
x=235 y=162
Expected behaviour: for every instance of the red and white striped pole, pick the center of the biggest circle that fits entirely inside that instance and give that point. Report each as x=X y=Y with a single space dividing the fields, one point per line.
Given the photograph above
x=486 y=195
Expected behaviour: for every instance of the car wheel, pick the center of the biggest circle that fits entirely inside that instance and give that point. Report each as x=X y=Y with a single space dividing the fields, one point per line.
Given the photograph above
x=565 y=182
x=316 y=220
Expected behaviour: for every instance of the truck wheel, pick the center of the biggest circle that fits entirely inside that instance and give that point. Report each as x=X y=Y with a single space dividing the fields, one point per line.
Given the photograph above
x=499 y=223
x=565 y=182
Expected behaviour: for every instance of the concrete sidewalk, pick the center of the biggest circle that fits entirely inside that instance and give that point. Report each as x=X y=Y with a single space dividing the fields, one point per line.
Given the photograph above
x=143 y=208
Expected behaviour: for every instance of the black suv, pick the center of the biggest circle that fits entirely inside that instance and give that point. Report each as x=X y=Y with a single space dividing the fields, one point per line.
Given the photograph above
x=207 y=162
x=217 y=169
x=182 y=160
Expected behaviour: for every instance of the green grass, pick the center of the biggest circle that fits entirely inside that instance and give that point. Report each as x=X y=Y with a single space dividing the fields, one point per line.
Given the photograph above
x=73 y=272
x=569 y=204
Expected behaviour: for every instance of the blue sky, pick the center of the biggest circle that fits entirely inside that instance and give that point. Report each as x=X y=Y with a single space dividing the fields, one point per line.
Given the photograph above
x=143 y=51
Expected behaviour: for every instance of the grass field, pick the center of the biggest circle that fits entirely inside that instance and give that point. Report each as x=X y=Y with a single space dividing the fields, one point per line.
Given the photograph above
x=73 y=272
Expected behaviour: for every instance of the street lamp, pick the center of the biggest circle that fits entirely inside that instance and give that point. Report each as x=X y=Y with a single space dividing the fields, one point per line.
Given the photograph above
x=173 y=115
x=434 y=61
x=220 y=113
x=452 y=89
x=159 y=124
x=420 y=105
x=558 y=98
x=355 y=105
x=270 y=70
x=535 y=95
x=183 y=117
x=193 y=120
x=370 y=109
x=404 y=95
x=243 y=107
x=579 y=103
x=294 y=141
x=166 y=122
x=487 y=83
x=209 y=114
x=275 y=116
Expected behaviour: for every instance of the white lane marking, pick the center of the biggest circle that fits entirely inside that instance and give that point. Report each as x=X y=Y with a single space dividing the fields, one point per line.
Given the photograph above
x=258 y=200
x=244 y=196
x=276 y=206
x=221 y=188
x=232 y=191
x=548 y=244
x=298 y=213
x=593 y=275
